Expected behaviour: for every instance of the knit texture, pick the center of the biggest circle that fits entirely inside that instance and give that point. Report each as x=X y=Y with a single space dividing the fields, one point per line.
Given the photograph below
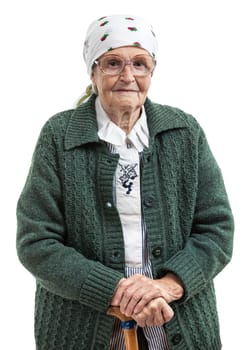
x=70 y=238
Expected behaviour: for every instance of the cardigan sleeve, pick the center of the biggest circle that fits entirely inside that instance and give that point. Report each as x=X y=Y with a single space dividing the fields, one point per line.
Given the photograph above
x=209 y=246
x=41 y=235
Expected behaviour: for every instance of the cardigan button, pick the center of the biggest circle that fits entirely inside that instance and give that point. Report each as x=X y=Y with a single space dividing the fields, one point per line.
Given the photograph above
x=149 y=201
x=108 y=205
x=157 y=252
x=116 y=255
x=176 y=339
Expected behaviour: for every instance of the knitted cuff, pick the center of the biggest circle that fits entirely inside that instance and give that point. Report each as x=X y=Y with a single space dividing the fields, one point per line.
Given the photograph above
x=99 y=287
x=187 y=269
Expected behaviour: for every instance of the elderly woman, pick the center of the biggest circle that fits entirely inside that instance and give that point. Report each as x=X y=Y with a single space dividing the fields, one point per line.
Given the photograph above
x=124 y=205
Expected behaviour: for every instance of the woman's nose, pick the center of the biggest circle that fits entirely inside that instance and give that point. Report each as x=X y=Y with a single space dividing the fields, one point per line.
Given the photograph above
x=127 y=74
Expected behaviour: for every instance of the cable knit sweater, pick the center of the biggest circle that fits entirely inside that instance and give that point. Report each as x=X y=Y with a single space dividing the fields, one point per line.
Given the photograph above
x=69 y=233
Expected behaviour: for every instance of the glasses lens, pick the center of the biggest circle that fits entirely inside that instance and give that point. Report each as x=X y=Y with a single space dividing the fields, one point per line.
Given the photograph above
x=142 y=64
x=114 y=65
x=111 y=64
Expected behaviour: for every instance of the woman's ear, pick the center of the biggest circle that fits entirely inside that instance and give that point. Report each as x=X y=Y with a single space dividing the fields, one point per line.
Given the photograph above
x=94 y=86
x=93 y=77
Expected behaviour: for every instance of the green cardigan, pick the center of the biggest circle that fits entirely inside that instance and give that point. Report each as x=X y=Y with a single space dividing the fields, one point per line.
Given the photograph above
x=69 y=233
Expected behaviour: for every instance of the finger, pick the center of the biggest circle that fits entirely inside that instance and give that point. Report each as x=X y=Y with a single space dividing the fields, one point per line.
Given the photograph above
x=118 y=294
x=154 y=312
x=140 y=319
x=136 y=298
x=167 y=312
x=149 y=321
x=136 y=292
x=146 y=297
x=129 y=300
x=147 y=316
x=128 y=290
x=145 y=319
x=158 y=318
x=139 y=294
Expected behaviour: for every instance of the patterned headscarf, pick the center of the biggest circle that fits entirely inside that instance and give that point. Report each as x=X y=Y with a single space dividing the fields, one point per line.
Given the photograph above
x=110 y=32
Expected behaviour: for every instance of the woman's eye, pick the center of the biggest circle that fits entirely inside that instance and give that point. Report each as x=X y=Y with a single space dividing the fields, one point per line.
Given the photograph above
x=114 y=63
x=138 y=63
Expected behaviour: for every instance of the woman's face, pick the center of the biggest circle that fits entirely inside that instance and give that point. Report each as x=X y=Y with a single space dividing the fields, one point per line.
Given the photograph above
x=124 y=92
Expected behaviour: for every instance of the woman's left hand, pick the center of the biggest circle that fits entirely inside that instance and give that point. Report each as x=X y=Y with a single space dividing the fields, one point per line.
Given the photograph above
x=136 y=292
x=155 y=313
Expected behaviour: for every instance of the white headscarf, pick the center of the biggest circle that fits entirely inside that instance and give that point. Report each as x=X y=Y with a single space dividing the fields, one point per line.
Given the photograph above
x=111 y=32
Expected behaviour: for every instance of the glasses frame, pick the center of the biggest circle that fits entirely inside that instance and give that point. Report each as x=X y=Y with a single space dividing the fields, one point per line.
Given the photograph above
x=126 y=62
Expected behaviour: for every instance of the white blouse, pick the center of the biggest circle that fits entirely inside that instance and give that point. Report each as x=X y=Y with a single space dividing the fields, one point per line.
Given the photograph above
x=127 y=179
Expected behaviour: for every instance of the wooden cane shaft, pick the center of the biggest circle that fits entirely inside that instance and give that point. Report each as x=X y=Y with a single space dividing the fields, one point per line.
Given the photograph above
x=130 y=339
x=130 y=335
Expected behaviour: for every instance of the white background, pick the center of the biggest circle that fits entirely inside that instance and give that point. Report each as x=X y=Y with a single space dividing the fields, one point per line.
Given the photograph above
x=201 y=69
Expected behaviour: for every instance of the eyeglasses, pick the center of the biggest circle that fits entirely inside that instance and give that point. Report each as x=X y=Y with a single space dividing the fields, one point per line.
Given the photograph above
x=141 y=65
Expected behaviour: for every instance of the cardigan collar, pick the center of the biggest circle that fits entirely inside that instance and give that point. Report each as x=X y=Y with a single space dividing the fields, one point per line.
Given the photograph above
x=82 y=127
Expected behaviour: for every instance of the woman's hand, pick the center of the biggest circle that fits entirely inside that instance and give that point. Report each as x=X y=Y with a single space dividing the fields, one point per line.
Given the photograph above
x=155 y=313
x=137 y=296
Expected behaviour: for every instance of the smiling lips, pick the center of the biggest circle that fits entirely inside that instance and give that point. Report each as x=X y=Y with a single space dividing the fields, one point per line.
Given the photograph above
x=125 y=90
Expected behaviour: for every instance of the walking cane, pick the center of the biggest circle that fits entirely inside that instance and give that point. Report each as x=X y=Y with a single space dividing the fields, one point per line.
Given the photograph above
x=128 y=327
